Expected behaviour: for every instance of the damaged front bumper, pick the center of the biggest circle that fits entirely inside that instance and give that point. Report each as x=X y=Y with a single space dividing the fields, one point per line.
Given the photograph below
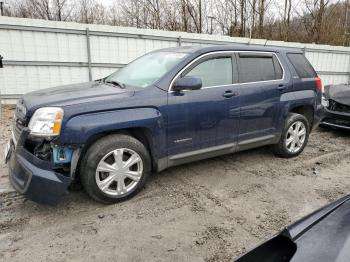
x=337 y=110
x=34 y=177
x=336 y=119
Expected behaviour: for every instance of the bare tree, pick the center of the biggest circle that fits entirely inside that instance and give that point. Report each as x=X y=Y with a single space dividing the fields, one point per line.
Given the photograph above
x=261 y=17
x=194 y=10
x=91 y=12
x=288 y=20
x=226 y=16
x=242 y=11
x=316 y=11
x=154 y=7
x=253 y=14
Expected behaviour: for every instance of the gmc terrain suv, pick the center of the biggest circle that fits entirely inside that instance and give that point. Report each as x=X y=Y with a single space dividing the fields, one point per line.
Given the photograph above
x=166 y=108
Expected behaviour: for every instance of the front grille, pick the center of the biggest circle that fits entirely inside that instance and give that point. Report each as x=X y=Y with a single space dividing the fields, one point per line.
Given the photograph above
x=19 y=122
x=21 y=110
x=335 y=106
x=17 y=129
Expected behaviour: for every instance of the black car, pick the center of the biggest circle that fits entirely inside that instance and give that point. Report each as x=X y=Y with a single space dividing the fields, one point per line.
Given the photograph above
x=337 y=109
x=323 y=236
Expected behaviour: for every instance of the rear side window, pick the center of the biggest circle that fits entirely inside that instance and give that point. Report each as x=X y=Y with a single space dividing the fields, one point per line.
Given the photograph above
x=302 y=66
x=255 y=68
x=214 y=72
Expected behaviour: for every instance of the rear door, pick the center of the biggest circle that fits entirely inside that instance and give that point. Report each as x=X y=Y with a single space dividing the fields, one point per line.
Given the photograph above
x=262 y=82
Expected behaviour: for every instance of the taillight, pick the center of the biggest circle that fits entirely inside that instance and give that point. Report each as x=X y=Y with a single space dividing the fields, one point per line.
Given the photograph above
x=319 y=85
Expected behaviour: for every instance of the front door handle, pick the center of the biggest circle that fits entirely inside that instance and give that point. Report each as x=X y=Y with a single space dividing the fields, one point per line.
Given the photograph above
x=229 y=94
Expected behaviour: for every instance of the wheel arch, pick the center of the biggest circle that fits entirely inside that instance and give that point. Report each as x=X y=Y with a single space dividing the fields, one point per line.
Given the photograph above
x=301 y=102
x=305 y=110
x=143 y=134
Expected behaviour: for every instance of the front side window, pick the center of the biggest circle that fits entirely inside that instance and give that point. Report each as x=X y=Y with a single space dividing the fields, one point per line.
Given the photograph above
x=213 y=72
x=147 y=69
x=259 y=68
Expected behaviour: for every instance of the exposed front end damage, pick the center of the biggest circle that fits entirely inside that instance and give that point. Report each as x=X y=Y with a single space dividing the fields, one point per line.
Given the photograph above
x=40 y=168
x=337 y=110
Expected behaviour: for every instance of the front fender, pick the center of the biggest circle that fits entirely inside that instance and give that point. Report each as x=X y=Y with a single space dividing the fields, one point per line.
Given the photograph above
x=79 y=129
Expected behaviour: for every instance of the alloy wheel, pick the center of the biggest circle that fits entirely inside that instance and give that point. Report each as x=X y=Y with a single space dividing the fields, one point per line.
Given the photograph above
x=295 y=137
x=119 y=171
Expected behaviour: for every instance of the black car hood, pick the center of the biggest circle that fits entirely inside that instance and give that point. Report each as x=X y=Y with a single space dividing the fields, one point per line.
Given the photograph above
x=338 y=93
x=73 y=94
x=322 y=236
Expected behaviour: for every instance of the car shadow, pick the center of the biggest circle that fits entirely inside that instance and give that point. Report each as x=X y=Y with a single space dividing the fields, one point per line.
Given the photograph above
x=336 y=131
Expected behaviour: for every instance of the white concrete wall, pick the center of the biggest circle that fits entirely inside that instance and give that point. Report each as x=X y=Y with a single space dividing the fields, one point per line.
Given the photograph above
x=39 y=54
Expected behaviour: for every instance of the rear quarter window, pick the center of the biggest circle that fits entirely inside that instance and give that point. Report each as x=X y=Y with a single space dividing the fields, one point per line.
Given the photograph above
x=302 y=66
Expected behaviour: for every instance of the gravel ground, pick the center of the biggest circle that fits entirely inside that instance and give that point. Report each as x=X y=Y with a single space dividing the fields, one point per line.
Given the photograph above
x=210 y=210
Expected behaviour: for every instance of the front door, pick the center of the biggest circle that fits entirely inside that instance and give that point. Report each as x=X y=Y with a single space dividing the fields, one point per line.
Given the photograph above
x=205 y=118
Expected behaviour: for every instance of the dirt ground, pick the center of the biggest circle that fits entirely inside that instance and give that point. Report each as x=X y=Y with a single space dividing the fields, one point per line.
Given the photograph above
x=211 y=210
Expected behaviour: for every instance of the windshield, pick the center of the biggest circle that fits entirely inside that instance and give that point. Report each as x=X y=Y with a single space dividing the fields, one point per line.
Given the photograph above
x=147 y=69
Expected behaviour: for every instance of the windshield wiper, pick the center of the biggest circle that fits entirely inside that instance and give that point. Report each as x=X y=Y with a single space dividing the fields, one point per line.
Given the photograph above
x=116 y=83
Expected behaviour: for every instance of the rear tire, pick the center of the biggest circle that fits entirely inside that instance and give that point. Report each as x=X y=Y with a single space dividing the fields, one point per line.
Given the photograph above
x=115 y=168
x=294 y=136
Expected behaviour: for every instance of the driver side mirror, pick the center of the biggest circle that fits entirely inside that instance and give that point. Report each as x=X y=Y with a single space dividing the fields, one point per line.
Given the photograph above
x=187 y=83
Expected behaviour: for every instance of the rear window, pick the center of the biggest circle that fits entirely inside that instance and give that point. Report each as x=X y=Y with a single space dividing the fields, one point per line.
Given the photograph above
x=258 y=68
x=302 y=66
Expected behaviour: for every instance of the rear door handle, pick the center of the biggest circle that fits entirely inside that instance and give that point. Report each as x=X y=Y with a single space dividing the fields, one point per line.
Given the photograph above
x=281 y=87
x=229 y=94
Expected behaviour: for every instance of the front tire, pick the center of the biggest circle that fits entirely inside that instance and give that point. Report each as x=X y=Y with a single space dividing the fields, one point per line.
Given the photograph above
x=115 y=168
x=294 y=136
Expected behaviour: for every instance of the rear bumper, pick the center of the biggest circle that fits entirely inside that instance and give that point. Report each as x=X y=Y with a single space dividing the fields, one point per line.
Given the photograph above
x=318 y=116
x=336 y=119
x=34 y=177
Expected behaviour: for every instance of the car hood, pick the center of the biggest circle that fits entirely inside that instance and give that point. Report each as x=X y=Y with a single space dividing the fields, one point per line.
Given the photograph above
x=319 y=237
x=338 y=93
x=73 y=94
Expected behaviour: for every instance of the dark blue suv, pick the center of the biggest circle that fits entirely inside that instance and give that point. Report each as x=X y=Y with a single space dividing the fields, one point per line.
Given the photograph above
x=166 y=108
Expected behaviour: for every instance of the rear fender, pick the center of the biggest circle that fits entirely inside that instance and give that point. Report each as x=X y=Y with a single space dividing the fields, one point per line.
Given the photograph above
x=296 y=99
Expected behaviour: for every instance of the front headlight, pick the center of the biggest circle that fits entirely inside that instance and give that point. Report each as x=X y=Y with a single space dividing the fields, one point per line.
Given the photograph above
x=46 y=121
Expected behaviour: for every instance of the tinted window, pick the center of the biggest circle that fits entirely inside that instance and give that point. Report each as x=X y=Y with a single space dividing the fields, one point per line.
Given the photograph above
x=214 y=72
x=259 y=68
x=147 y=69
x=278 y=68
x=302 y=66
